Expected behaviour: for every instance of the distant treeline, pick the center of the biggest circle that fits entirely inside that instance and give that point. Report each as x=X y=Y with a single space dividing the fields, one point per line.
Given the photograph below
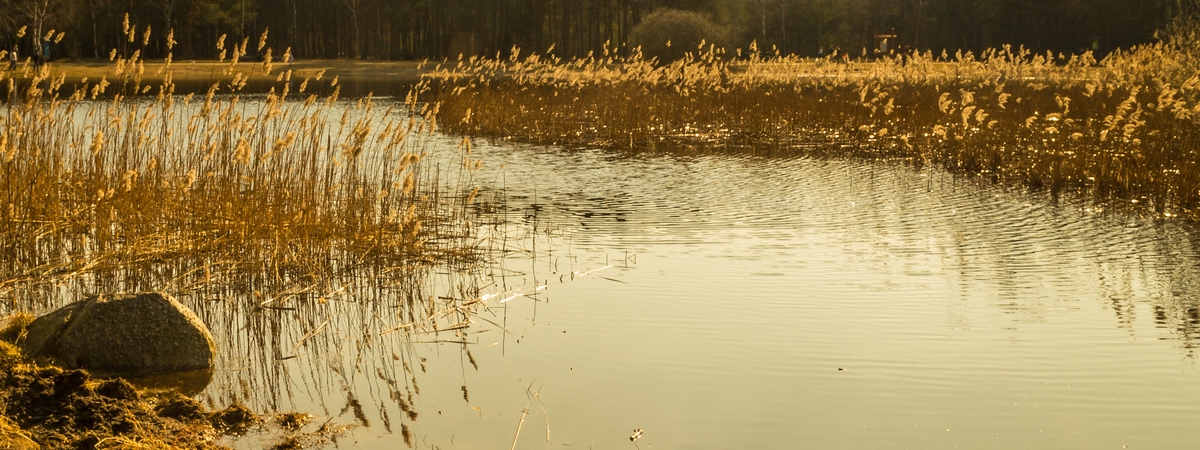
x=399 y=29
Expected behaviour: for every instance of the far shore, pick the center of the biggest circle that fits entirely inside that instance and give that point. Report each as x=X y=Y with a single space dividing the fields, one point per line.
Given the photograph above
x=356 y=77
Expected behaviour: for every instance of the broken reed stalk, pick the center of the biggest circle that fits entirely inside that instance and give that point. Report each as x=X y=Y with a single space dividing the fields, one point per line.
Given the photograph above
x=524 y=412
x=1122 y=129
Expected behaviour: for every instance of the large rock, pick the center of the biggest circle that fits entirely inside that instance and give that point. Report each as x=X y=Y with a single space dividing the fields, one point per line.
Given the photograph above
x=124 y=334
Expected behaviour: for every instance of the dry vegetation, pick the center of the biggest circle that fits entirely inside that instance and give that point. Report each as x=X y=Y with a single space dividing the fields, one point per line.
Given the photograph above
x=1125 y=128
x=57 y=408
x=255 y=198
x=119 y=185
x=43 y=406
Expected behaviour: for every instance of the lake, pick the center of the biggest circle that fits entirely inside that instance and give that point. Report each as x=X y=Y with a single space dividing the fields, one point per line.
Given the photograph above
x=721 y=300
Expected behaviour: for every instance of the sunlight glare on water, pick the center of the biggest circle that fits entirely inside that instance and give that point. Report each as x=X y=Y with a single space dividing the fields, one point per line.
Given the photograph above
x=790 y=302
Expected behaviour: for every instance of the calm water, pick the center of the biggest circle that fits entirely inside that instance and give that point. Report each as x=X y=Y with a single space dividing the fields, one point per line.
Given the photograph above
x=720 y=301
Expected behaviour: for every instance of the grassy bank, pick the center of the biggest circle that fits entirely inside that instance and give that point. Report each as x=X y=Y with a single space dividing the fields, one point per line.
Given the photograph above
x=1121 y=129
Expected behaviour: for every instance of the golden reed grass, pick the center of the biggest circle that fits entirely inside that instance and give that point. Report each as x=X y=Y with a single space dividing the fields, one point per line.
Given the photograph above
x=113 y=184
x=1124 y=128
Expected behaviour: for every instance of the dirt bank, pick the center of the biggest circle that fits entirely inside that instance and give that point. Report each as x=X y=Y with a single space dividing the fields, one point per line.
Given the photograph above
x=47 y=407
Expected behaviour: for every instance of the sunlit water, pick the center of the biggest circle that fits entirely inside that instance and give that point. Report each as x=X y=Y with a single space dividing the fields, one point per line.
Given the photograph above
x=723 y=301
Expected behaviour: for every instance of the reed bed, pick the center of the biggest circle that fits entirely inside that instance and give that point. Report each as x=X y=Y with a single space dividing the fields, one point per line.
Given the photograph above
x=1120 y=129
x=116 y=185
x=322 y=240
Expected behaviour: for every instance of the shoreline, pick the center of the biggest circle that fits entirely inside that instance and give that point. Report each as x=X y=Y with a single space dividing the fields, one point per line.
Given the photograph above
x=357 y=78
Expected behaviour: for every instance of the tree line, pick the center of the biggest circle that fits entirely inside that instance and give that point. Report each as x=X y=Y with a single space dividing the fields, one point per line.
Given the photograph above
x=413 y=29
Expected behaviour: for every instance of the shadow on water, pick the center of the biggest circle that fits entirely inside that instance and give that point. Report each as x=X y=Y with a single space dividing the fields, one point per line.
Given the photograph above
x=189 y=383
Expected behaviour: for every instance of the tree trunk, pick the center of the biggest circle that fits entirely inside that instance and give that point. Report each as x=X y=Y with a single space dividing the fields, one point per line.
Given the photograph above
x=763 y=4
x=920 y=18
x=41 y=8
x=352 y=5
x=95 y=32
x=783 y=10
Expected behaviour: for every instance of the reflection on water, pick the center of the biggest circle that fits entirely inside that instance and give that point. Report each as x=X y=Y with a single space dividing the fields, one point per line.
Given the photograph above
x=781 y=302
x=1011 y=247
x=738 y=301
x=189 y=382
x=351 y=352
x=741 y=301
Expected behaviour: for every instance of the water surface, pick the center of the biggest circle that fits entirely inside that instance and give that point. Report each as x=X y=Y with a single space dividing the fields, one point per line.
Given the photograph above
x=735 y=301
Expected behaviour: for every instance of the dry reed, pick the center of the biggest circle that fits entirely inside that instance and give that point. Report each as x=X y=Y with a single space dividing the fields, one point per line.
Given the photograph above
x=1124 y=128
x=116 y=185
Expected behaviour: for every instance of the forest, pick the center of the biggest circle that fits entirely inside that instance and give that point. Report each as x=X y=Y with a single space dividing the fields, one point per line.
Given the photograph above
x=415 y=29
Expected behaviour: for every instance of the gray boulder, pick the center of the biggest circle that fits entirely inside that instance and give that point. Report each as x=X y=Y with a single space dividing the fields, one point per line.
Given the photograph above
x=123 y=334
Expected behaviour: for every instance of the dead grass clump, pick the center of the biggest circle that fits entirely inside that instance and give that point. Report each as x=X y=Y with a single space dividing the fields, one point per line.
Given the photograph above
x=51 y=407
x=236 y=419
x=294 y=420
x=118 y=389
x=180 y=407
x=13 y=438
x=57 y=408
x=289 y=443
x=15 y=325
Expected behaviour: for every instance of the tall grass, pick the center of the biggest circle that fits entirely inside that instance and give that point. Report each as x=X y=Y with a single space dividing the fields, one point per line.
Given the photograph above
x=1124 y=128
x=114 y=185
